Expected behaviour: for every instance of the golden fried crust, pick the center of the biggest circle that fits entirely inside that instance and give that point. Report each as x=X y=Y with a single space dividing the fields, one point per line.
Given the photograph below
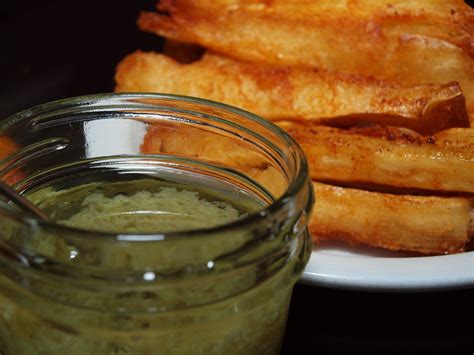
x=413 y=42
x=190 y=141
x=388 y=156
x=428 y=225
x=290 y=92
x=230 y=151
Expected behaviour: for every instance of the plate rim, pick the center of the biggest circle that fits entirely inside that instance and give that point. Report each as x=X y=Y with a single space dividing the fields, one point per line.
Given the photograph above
x=397 y=274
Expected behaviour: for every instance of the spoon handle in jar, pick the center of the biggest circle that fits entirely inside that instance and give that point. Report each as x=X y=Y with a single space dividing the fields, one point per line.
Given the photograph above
x=22 y=202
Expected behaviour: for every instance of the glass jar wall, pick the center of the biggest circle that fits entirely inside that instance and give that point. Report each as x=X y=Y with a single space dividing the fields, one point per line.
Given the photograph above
x=110 y=286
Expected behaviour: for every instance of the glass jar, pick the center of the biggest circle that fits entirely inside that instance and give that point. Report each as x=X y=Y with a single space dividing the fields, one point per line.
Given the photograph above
x=221 y=289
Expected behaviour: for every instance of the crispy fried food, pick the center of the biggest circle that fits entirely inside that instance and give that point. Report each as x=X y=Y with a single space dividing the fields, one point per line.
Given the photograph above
x=457 y=137
x=192 y=141
x=428 y=225
x=388 y=156
x=393 y=64
x=233 y=152
x=411 y=41
x=289 y=92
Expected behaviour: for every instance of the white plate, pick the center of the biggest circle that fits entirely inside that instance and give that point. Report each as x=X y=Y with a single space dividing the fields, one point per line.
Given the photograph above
x=339 y=266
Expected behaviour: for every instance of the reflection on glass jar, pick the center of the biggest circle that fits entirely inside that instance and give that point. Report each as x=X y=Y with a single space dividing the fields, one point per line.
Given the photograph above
x=180 y=228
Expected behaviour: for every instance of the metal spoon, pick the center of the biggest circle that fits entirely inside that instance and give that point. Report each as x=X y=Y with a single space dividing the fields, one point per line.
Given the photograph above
x=22 y=202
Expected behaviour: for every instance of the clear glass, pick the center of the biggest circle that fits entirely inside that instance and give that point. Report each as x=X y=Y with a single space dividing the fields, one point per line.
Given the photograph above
x=215 y=290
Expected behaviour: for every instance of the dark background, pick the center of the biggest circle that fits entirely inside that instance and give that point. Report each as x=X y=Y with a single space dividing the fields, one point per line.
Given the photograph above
x=57 y=49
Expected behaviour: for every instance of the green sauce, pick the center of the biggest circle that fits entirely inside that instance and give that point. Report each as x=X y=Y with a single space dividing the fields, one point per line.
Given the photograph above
x=145 y=212
x=193 y=311
x=142 y=206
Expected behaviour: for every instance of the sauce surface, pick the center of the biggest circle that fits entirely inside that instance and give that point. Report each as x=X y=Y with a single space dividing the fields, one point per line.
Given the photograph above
x=142 y=206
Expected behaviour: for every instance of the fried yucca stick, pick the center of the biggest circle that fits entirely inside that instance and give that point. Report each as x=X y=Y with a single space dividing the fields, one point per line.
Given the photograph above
x=289 y=92
x=388 y=156
x=234 y=152
x=428 y=225
x=411 y=41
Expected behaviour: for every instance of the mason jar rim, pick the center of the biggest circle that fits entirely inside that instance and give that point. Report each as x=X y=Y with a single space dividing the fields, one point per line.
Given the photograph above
x=107 y=100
